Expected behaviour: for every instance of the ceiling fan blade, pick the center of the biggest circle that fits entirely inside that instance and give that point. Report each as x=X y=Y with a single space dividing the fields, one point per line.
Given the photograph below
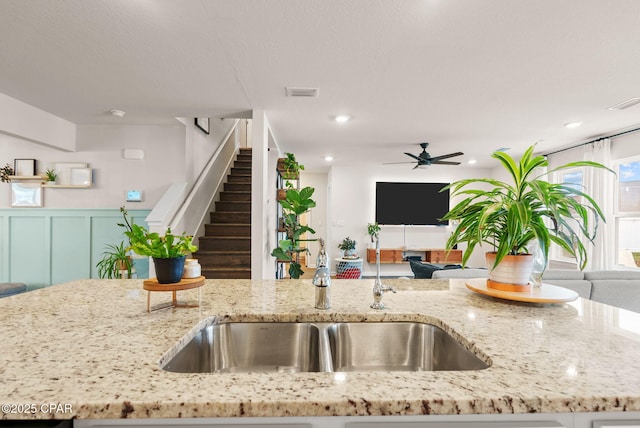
x=414 y=156
x=445 y=162
x=394 y=163
x=450 y=155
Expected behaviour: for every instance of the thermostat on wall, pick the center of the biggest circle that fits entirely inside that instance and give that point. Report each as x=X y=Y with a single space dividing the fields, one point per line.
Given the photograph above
x=134 y=196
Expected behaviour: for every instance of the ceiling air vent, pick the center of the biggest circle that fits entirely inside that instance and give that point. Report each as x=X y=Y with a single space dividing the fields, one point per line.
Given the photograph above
x=625 y=104
x=296 y=91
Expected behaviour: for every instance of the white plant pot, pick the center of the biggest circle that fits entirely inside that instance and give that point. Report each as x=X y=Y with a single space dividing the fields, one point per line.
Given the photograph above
x=511 y=270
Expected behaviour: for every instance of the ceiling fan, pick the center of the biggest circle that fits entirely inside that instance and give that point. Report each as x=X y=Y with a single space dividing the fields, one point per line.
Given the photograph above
x=424 y=159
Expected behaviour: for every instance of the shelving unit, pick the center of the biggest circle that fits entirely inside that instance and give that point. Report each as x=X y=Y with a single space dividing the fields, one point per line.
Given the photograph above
x=26 y=178
x=429 y=255
x=280 y=232
x=44 y=183
x=68 y=186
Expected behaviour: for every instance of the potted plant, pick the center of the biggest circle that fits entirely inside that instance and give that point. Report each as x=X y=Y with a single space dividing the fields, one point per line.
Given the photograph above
x=289 y=167
x=296 y=203
x=115 y=260
x=51 y=175
x=511 y=215
x=348 y=245
x=168 y=251
x=373 y=230
x=5 y=172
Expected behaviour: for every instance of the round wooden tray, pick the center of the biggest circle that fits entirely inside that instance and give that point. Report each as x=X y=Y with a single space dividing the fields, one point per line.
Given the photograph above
x=546 y=293
x=184 y=284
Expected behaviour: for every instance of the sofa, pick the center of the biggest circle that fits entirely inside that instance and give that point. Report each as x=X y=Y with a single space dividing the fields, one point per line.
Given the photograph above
x=11 y=288
x=619 y=288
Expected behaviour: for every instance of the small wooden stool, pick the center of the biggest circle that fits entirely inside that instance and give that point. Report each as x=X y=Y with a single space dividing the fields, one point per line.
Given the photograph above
x=184 y=284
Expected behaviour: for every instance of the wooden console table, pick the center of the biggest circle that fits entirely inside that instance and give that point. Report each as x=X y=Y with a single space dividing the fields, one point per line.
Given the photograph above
x=429 y=255
x=184 y=284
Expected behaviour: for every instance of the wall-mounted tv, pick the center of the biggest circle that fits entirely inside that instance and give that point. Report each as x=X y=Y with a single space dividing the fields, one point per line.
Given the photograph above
x=411 y=203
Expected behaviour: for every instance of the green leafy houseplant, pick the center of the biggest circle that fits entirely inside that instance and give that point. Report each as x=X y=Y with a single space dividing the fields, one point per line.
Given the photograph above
x=290 y=166
x=51 y=175
x=373 y=230
x=115 y=259
x=510 y=215
x=162 y=248
x=152 y=244
x=348 y=245
x=296 y=203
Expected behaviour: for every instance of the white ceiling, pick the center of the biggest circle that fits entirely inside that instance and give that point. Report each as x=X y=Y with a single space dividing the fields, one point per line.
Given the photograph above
x=470 y=76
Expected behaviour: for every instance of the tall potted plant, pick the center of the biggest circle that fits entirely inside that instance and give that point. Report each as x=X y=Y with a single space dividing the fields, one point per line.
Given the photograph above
x=168 y=251
x=296 y=203
x=511 y=215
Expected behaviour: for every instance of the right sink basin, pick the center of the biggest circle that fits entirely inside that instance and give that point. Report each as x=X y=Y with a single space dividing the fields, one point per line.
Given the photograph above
x=397 y=346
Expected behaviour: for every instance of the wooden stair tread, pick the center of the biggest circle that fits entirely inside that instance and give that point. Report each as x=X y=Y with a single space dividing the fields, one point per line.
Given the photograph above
x=225 y=237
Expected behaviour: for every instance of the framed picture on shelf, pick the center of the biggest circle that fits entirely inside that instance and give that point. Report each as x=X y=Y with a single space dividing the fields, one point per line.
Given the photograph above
x=203 y=124
x=24 y=167
x=26 y=195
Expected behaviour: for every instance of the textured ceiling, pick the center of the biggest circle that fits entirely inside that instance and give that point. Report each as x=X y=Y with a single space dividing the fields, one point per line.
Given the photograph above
x=462 y=75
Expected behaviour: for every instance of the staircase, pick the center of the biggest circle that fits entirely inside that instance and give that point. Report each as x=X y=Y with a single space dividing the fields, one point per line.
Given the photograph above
x=225 y=249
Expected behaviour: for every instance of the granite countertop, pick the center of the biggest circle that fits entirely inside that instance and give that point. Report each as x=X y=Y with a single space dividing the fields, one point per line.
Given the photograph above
x=91 y=346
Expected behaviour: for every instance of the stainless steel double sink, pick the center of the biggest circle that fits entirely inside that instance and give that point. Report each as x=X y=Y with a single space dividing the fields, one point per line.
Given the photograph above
x=289 y=347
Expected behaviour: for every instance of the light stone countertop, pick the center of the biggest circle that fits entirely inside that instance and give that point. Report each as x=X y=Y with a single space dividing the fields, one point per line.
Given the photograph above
x=91 y=345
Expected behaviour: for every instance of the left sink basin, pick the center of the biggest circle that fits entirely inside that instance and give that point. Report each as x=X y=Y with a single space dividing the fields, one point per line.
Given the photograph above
x=250 y=347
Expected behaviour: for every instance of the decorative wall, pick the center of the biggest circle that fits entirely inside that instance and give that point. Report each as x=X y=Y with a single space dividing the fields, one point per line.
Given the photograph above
x=43 y=247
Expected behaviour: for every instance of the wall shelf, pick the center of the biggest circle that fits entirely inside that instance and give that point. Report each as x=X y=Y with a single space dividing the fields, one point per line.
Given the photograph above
x=26 y=177
x=68 y=186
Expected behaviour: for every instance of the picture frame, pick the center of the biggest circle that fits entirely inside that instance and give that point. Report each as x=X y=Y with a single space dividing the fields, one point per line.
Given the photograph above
x=24 y=167
x=25 y=195
x=64 y=171
x=203 y=124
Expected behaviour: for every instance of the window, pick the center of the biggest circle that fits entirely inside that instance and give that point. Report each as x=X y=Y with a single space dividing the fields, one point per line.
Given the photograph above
x=628 y=212
x=573 y=178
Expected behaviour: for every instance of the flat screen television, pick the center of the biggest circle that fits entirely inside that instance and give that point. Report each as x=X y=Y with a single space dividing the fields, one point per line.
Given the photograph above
x=411 y=203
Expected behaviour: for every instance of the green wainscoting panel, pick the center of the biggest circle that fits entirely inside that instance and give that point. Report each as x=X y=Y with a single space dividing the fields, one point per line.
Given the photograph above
x=4 y=242
x=42 y=247
x=70 y=256
x=28 y=262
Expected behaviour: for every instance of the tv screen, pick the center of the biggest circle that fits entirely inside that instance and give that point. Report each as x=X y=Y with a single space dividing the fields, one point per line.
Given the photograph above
x=411 y=203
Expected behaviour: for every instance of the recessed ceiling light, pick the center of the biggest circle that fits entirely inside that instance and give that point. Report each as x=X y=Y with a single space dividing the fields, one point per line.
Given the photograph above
x=328 y=158
x=472 y=161
x=342 y=118
x=117 y=113
x=572 y=124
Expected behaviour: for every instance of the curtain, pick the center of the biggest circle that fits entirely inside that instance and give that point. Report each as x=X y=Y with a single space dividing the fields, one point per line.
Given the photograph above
x=600 y=185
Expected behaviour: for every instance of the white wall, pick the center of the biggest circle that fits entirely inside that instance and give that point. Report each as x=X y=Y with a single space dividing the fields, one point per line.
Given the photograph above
x=317 y=218
x=102 y=148
x=29 y=123
x=171 y=153
x=351 y=198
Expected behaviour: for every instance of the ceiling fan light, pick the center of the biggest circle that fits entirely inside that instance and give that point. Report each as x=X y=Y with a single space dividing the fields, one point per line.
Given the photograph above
x=423 y=166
